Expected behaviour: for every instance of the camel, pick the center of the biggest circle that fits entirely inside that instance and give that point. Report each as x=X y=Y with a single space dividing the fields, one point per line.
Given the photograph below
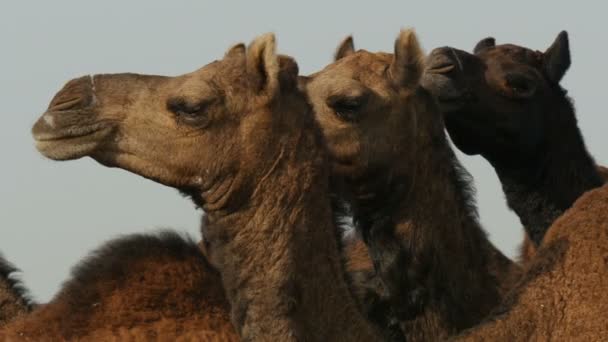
x=561 y=297
x=436 y=321
x=505 y=103
x=411 y=200
x=527 y=250
x=137 y=287
x=240 y=140
x=15 y=299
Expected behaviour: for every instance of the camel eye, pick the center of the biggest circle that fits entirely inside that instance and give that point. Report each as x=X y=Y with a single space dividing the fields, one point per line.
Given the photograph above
x=194 y=114
x=520 y=86
x=346 y=108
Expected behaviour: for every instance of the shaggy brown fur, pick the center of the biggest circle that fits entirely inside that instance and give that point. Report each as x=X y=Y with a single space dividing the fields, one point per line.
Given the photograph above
x=505 y=103
x=159 y=283
x=527 y=250
x=411 y=200
x=562 y=296
x=239 y=139
x=14 y=297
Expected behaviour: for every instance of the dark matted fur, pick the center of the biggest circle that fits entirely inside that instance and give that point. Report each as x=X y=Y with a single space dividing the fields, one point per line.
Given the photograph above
x=15 y=298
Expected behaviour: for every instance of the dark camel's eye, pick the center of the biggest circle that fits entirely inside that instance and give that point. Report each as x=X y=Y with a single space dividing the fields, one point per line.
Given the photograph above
x=193 y=114
x=520 y=86
x=346 y=108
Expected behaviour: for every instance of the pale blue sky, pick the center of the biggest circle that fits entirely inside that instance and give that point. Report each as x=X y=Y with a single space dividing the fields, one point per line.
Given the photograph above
x=52 y=214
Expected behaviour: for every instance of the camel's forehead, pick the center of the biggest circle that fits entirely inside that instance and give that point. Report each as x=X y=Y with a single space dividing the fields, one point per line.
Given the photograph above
x=363 y=66
x=509 y=53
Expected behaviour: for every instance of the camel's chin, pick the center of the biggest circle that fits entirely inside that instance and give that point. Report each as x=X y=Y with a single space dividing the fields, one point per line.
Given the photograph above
x=70 y=148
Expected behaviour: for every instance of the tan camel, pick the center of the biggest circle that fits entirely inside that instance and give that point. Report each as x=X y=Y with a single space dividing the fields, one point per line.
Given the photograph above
x=411 y=199
x=259 y=175
x=14 y=297
x=505 y=103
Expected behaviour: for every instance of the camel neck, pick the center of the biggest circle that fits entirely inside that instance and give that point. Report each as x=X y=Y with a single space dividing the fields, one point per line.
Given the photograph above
x=435 y=238
x=540 y=189
x=280 y=259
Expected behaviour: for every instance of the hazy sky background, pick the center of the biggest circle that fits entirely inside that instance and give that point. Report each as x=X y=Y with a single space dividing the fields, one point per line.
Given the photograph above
x=52 y=214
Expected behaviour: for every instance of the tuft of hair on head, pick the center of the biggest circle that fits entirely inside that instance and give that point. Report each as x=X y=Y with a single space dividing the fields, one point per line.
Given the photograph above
x=407 y=66
x=345 y=48
x=263 y=63
x=237 y=50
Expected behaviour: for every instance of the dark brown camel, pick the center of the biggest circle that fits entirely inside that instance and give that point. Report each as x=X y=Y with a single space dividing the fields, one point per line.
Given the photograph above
x=259 y=174
x=411 y=199
x=14 y=297
x=505 y=103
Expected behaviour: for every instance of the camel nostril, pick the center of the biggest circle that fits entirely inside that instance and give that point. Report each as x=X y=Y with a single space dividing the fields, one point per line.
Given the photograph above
x=76 y=94
x=441 y=61
x=441 y=68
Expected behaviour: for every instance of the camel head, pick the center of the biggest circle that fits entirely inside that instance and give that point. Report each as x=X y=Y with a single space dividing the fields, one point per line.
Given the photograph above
x=500 y=100
x=203 y=130
x=367 y=102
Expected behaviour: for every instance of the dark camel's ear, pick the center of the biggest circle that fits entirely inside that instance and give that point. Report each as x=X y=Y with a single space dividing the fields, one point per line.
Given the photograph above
x=263 y=64
x=288 y=72
x=237 y=50
x=484 y=44
x=346 y=48
x=408 y=60
x=556 y=60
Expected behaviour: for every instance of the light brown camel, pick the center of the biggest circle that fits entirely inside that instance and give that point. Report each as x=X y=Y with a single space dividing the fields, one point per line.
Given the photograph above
x=259 y=174
x=14 y=297
x=505 y=103
x=412 y=201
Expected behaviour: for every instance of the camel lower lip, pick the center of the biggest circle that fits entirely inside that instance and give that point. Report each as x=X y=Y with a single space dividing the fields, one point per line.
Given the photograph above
x=81 y=133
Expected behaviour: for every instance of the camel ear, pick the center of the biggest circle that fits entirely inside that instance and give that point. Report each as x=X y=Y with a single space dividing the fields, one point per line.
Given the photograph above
x=556 y=60
x=408 y=60
x=484 y=44
x=288 y=72
x=346 y=48
x=237 y=50
x=263 y=63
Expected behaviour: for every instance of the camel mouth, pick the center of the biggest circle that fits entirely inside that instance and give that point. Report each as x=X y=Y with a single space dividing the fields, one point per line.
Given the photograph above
x=72 y=143
x=65 y=134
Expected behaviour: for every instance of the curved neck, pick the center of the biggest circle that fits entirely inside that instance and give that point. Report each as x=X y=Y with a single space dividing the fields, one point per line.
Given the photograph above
x=541 y=189
x=279 y=256
x=427 y=229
